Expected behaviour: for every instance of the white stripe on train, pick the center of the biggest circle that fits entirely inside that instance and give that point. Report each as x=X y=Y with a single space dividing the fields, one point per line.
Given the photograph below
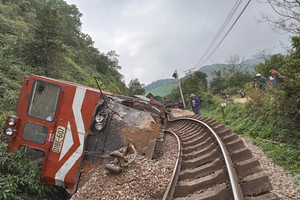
x=65 y=168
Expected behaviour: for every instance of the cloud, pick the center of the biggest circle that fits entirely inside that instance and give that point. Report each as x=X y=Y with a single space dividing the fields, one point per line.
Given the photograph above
x=153 y=38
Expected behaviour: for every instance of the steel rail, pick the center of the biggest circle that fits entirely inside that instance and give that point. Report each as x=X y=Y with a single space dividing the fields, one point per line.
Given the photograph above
x=236 y=189
x=174 y=178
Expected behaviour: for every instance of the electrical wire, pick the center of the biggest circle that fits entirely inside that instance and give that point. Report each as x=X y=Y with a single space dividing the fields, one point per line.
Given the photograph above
x=214 y=8
x=221 y=29
x=225 y=34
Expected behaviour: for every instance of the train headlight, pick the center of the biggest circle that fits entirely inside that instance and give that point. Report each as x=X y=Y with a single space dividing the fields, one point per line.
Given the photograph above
x=100 y=121
x=9 y=131
x=99 y=118
x=11 y=121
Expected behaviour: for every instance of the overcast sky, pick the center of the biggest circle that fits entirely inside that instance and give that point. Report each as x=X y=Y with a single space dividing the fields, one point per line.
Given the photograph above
x=156 y=37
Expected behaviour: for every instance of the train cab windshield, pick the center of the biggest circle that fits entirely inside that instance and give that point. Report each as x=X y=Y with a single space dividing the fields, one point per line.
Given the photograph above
x=44 y=100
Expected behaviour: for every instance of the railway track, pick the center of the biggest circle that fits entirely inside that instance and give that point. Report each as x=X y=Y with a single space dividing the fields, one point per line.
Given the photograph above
x=213 y=163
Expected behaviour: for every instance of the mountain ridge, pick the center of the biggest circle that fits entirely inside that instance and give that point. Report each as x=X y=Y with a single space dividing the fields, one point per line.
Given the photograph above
x=158 y=85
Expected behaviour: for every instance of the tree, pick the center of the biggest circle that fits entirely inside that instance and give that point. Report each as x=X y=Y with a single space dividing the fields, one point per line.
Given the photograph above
x=135 y=87
x=289 y=17
x=70 y=21
x=233 y=76
x=217 y=83
x=202 y=76
x=276 y=61
x=290 y=84
x=286 y=93
x=113 y=58
x=46 y=49
x=264 y=54
x=195 y=83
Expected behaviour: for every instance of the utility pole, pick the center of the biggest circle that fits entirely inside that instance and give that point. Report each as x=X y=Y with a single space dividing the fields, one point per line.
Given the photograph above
x=175 y=75
x=189 y=71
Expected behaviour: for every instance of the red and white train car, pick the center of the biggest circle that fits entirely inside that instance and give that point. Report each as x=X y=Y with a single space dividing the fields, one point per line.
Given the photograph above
x=57 y=122
x=56 y=141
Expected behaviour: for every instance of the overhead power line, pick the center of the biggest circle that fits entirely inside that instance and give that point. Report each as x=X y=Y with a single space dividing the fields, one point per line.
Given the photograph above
x=213 y=15
x=200 y=62
x=220 y=31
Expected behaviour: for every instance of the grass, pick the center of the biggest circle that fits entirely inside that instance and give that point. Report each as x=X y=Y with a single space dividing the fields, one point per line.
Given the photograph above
x=284 y=155
x=162 y=90
x=247 y=122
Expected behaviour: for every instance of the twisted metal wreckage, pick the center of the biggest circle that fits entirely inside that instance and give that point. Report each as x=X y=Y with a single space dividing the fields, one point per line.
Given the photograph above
x=68 y=128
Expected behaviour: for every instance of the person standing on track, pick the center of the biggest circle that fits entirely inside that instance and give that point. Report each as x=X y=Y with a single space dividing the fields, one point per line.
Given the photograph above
x=195 y=103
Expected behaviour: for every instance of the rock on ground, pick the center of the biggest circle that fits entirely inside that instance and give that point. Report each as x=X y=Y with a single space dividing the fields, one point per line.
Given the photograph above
x=143 y=179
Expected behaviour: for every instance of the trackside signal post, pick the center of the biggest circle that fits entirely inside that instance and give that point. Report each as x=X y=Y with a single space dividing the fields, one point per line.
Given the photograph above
x=222 y=106
x=175 y=75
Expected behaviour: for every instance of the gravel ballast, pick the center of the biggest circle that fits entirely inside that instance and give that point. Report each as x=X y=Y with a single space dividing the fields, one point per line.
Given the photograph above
x=147 y=179
x=143 y=179
x=282 y=182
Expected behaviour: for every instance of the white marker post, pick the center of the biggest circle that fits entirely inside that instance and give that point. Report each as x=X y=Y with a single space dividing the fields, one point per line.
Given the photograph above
x=222 y=106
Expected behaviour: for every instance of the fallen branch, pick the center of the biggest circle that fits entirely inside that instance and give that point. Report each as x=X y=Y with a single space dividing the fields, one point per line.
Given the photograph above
x=270 y=141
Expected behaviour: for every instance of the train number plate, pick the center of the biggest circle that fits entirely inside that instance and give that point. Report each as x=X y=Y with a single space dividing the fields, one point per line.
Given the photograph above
x=59 y=137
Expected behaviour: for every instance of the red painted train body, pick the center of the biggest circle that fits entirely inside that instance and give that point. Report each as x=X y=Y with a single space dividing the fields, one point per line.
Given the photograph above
x=53 y=121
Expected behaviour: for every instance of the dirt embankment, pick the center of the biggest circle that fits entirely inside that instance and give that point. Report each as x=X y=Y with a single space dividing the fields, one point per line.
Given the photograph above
x=177 y=112
x=239 y=100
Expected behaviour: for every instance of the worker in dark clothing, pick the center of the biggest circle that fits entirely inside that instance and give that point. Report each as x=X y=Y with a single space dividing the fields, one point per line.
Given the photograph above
x=180 y=104
x=262 y=81
x=277 y=77
x=254 y=82
x=195 y=103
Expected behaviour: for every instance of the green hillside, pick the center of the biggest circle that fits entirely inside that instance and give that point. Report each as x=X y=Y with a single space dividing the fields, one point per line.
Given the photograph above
x=45 y=38
x=162 y=90
x=248 y=65
x=164 y=87
x=159 y=83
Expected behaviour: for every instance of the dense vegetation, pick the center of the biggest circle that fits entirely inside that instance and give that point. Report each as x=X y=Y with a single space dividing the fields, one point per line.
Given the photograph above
x=158 y=83
x=20 y=177
x=272 y=114
x=162 y=90
x=195 y=83
x=247 y=66
x=164 y=87
x=44 y=37
x=135 y=87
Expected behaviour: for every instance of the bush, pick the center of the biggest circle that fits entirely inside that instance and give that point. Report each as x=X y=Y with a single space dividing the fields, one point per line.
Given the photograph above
x=283 y=155
x=20 y=177
x=262 y=118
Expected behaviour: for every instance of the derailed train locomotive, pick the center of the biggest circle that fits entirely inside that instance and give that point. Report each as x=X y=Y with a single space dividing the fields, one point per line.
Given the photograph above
x=64 y=126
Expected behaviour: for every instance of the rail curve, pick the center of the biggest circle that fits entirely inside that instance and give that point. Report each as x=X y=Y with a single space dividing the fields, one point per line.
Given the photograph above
x=213 y=163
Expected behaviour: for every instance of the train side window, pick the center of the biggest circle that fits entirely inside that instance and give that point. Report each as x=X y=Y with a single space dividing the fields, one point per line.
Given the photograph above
x=36 y=155
x=44 y=100
x=35 y=132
